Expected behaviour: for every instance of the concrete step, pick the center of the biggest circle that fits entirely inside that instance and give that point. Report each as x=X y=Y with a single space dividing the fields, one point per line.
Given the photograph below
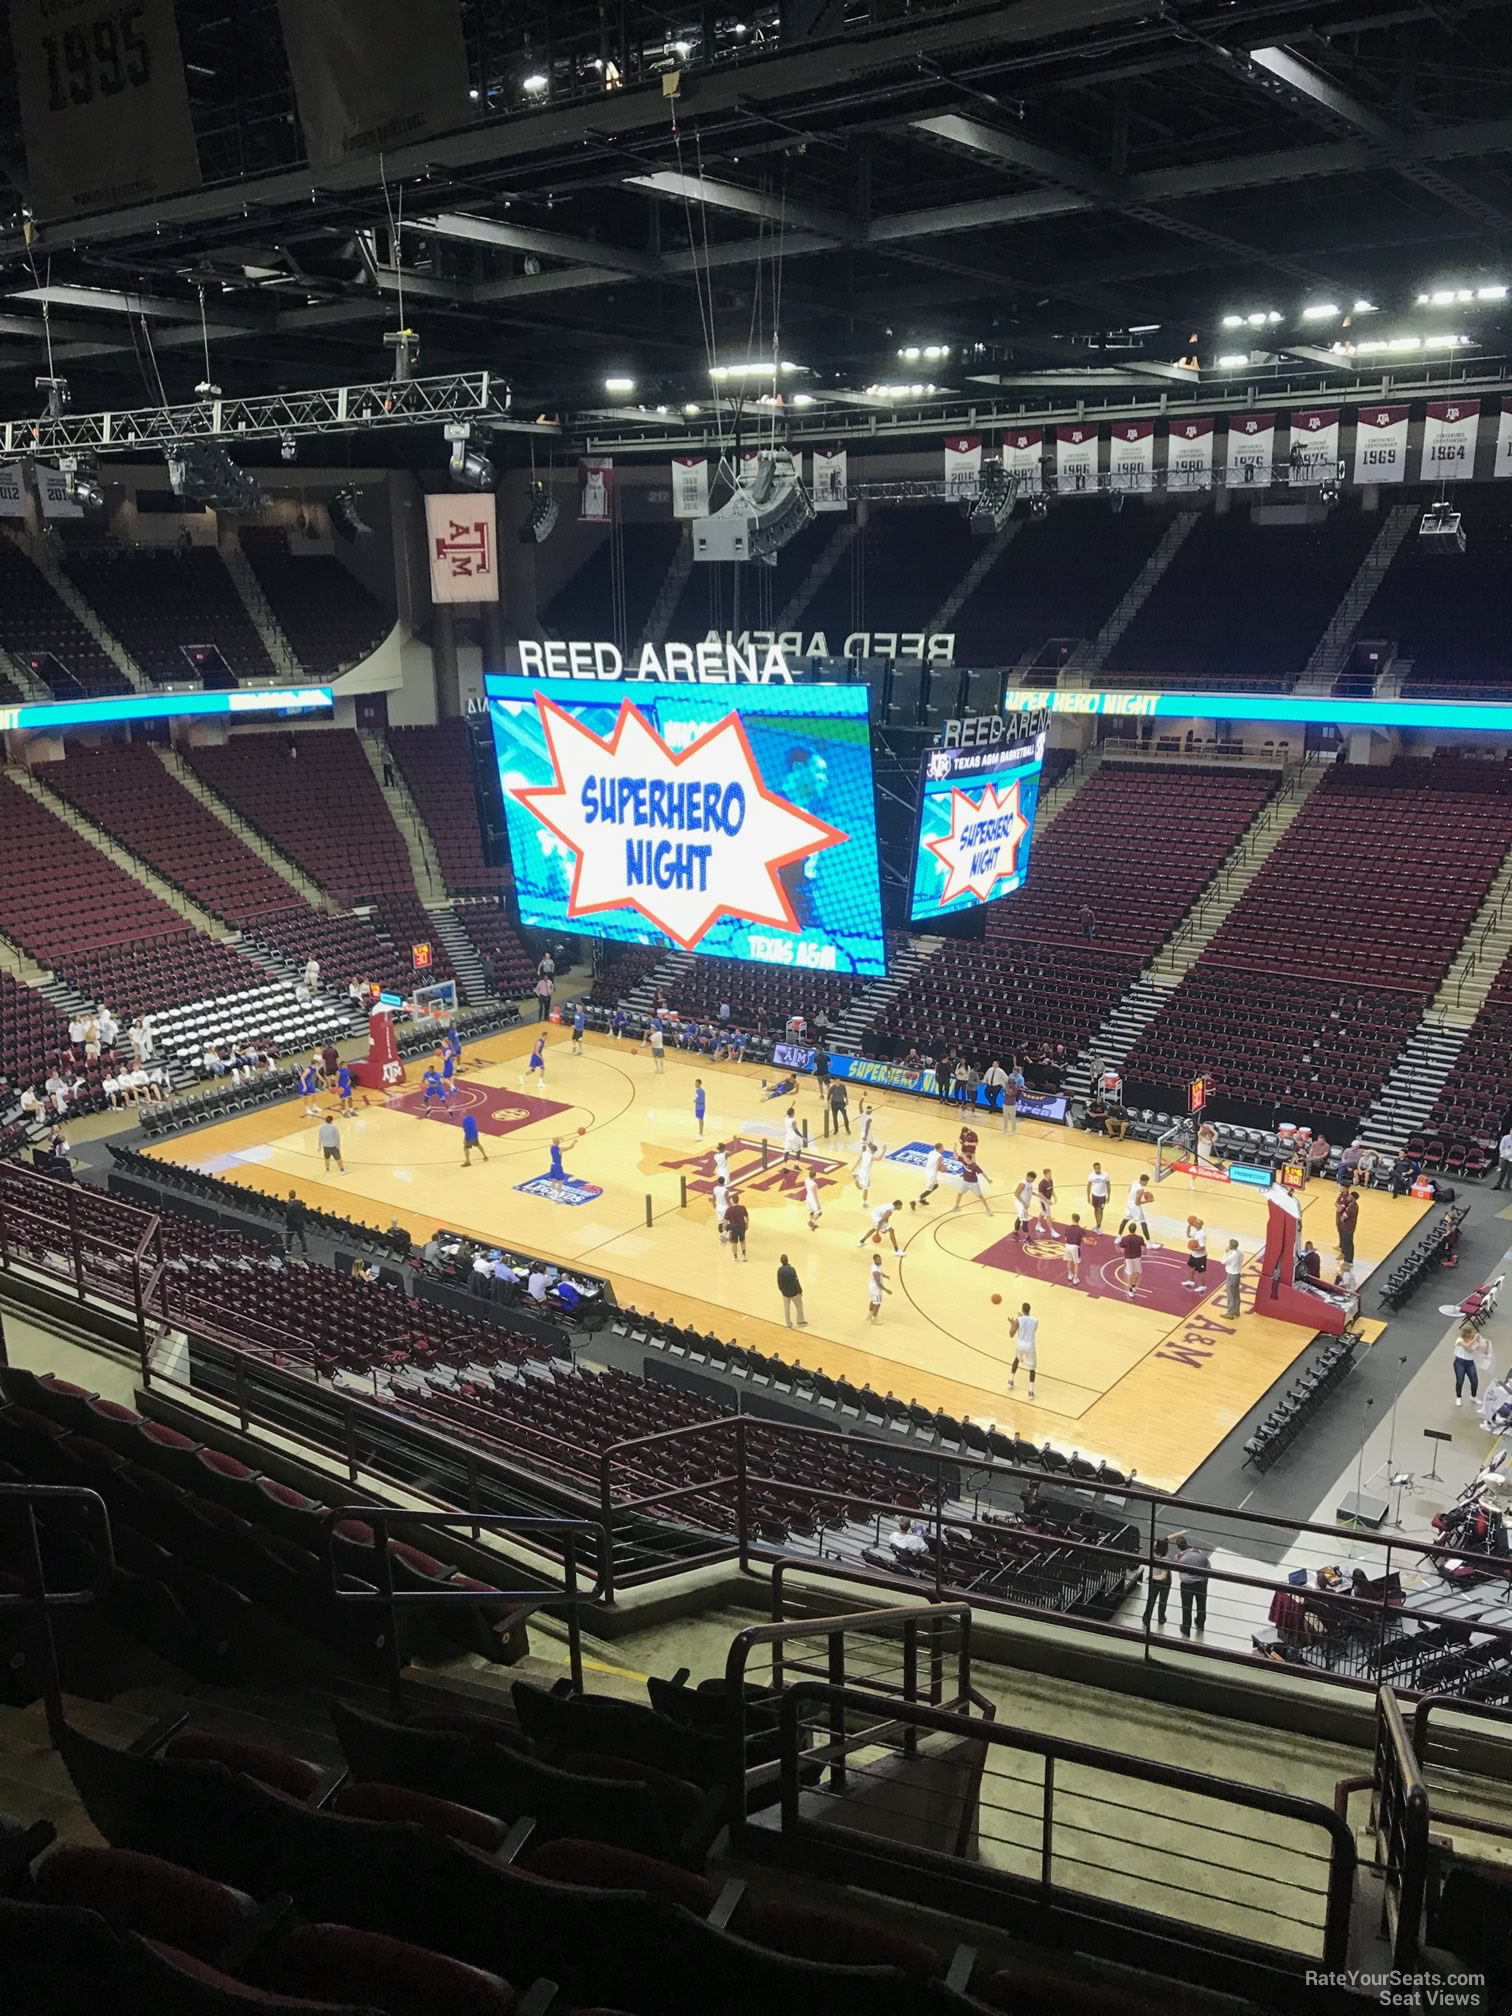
x=460 y=950
x=301 y=886
x=425 y=858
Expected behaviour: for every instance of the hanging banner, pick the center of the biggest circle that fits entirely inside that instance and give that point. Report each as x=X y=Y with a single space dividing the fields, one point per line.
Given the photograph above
x=1503 y=444
x=357 y=95
x=1023 y=457
x=52 y=488
x=963 y=465
x=1189 y=455
x=595 y=489
x=1251 y=444
x=1314 y=451
x=690 y=486
x=1075 y=457
x=829 y=479
x=1380 y=451
x=462 y=535
x=1131 y=455
x=1449 y=440
x=12 y=490
x=104 y=104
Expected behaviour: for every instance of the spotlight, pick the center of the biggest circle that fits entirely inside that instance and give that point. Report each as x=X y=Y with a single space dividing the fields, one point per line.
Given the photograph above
x=288 y=447
x=1039 y=507
x=1441 y=530
x=204 y=473
x=469 y=466
x=347 y=521
x=535 y=84
x=58 y=395
x=80 y=484
x=992 y=506
x=540 y=521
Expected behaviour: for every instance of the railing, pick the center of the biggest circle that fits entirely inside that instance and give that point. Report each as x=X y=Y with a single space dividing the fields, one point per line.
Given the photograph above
x=34 y=1601
x=53 y=1239
x=1148 y=1863
x=522 y=1603
x=1399 y=1822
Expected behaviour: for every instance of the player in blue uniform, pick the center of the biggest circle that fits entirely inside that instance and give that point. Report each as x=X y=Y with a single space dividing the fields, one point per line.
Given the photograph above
x=557 y=1173
x=431 y=1082
x=617 y=1023
x=579 y=1023
x=470 y=1140
x=699 y=1102
x=448 y=1066
x=309 y=1084
x=344 y=1088
x=537 y=1064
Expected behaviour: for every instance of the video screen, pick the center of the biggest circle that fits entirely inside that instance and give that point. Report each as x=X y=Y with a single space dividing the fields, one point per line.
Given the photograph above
x=976 y=826
x=734 y=821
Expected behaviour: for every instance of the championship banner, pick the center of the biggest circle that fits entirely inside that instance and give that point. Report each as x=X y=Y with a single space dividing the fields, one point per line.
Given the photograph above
x=963 y=465
x=365 y=82
x=1131 y=455
x=1189 y=455
x=1503 y=446
x=829 y=479
x=12 y=490
x=104 y=104
x=1251 y=446
x=1076 y=457
x=1023 y=457
x=1380 y=452
x=1449 y=440
x=1314 y=445
x=595 y=489
x=462 y=537
x=690 y=486
x=52 y=488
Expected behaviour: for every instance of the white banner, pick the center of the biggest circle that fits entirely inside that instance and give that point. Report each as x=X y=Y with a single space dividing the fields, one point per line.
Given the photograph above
x=1380 y=454
x=595 y=489
x=690 y=486
x=1314 y=451
x=462 y=536
x=52 y=488
x=1131 y=454
x=829 y=479
x=1503 y=444
x=1023 y=457
x=963 y=465
x=1189 y=455
x=1449 y=440
x=356 y=93
x=1251 y=444
x=1076 y=457
x=12 y=490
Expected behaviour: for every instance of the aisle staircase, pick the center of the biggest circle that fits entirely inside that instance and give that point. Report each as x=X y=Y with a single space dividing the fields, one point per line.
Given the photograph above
x=259 y=609
x=829 y=559
x=1332 y=648
x=664 y=608
x=41 y=556
x=460 y=949
x=425 y=861
x=25 y=681
x=1060 y=795
x=303 y=887
x=1089 y=659
x=904 y=964
x=642 y=997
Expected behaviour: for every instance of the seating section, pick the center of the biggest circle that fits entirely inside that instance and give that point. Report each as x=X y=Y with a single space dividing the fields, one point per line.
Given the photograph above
x=1136 y=846
x=1312 y=986
x=758 y=998
x=436 y=764
x=162 y=602
x=1059 y=576
x=506 y=963
x=586 y=604
x=33 y=1036
x=1243 y=602
x=126 y=790
x=327 y=615
x=1474 y=1107
x=315 y=798
x=1450 y=618
x=41 y=631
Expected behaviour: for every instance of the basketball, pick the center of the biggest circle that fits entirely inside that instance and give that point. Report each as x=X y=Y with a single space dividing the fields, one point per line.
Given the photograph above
x=876 y=1238
x=1147 y=1196
x=582 y=1130
x=996 y=1300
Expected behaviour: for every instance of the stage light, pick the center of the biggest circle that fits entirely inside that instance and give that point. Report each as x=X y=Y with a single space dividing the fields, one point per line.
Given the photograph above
x=1039 y=507
x=682 y=51
x=535 y=84
x=541 y=519
x=204 y=473
x=1233 y=360
x=1364 y=307
x=1320 y=311
x=1490 y=293
x=1233 y=321
x=288 y=447
x=691 y=410
x=473 y=469
x=803 y=398
x=619 y=386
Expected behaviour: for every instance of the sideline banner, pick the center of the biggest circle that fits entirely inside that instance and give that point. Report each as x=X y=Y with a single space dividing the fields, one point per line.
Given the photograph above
x=1315 y=444
x=895 y=1078
x=1075 y=458
x=1131 y=455
x=1251 y=445
x=963 y=466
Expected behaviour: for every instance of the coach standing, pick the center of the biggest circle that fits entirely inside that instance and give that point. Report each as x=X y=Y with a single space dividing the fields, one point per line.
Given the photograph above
x=790 y=1288
x=839 y=1107
x=821 y=1070
x=1346 y=1217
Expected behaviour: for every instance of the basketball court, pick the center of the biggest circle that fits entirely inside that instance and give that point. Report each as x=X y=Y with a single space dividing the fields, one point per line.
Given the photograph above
x=1153 y=1384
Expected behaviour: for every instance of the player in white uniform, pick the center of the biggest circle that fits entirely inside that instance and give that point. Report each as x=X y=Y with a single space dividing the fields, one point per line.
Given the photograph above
x=1197 y=1254
x=1025 y=1197
x=721 y=1195
x=721 y=1164
x=811 y=1202
x=1134 y=1211
x=876 y=1288
x=792 y=1140
x=1099 y=1190
x=1024 y=1330
x=934 y=1161
x=861 y=1174
x=881 y=1219
x=865 y=1115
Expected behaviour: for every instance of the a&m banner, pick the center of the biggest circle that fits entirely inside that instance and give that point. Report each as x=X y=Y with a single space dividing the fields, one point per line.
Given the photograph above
x=1076 y=457
x=1251 y=445
x=1503 y=444
x=1189 y=455
x=1023 y=452
x=462 y=538
x=1315 y=445
x=963 y=465
x=1131 y=454
x=690 y=486
x=1380 y=453
x=1449 y=440
x=595 y=488
x=829 y=479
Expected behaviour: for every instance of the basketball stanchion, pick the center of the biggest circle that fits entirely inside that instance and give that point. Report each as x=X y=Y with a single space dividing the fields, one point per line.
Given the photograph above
x=684 y=1182
x=648 y=1208
x=764 y=1154
x=804 y=1124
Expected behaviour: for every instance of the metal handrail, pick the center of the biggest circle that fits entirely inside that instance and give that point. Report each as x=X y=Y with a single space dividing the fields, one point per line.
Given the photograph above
x=1399 y=1821
x=931 y=1870
x=35 y=1600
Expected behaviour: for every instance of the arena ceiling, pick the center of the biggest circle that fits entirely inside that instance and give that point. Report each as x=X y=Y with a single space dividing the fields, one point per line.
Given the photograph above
x=1059 y=198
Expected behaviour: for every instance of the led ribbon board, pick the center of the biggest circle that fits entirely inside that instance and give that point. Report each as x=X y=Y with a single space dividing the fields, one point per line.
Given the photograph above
x=61 y=715
x=976 y=824
x=740 y=824
x=1480 y=716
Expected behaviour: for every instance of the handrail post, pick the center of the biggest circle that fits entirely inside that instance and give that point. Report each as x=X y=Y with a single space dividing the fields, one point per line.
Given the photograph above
x=472 y=1489
x=574 y=1625
x=742 y=1496
x=241 y=1393
x=42 y=1631
x=836 y=1706
x=1047 y=1830
x=606 y=1566
x=75 y=1244
x=911 y=1682
x=349 y=1426
x=384 y=1581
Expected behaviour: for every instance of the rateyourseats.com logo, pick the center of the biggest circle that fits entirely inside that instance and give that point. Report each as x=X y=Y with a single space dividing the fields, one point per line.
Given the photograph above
x=1407 y=1991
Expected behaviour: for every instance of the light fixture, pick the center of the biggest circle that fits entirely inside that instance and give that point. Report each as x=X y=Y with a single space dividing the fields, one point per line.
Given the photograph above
x=757 y=367
x=1320 y=311
x=1233 y=360
x=898 y=391
x=1039 y=507
x=690 y=409
x=540 y=521
x=535 y=84
x=1233 y=321
x=803 y=398
x=619 y=386
x=472 y=92
x=911 y=354
x=1364 y=307
x=203 y=472
x=1490 y=293
x=288 y=447
x=682 y=51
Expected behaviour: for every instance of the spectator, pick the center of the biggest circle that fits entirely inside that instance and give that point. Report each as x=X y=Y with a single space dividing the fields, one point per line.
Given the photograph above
x=329 y=1138
x=296 y=1218
x=76 y=1030
x=1472 y=1362
x=1346 y=1217
x=790 y=1288
x=482 y=1268
x=1233 y=1272
x=107 y=1028
x=907 y=1540
x=312 y=974
x=1087 y=921
x=543 y=991
x=1504 y=1162
x=1158 y=1590
x=1193 y=1566
x=1309 y=1266
x=535 y=1286
x=546 y=967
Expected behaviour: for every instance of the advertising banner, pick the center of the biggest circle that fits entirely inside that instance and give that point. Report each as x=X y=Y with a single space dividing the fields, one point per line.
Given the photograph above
x=1076 y=457
x=896 y=1078
x=1449 y=440
x=690 y=486
x=1251 y=446
x=1380 y=453
x=1131 y=454
x=828 y=491
x=462 y=536
x=1189 y=455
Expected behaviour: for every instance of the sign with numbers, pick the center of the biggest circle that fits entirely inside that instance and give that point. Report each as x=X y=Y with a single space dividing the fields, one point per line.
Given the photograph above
x=420 y=957
x=1449 y=432
x=367 y=80
x=1197 y=1093
x=104 y=104
x=464 y=548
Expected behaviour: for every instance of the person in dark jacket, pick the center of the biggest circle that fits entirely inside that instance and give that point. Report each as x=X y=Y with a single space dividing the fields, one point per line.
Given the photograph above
x=790 y=1288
